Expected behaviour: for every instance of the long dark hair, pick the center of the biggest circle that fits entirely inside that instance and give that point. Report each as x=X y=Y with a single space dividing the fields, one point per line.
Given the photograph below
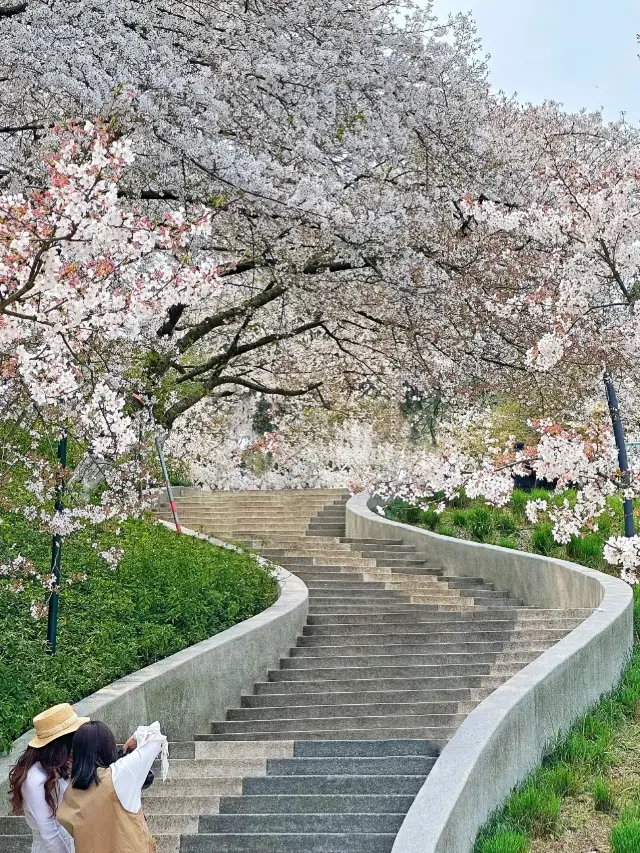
x=54 y=758
x=94 y=746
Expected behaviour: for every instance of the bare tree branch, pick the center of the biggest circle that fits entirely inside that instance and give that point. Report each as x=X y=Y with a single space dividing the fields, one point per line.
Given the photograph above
x=236 y=350
x=207 y=325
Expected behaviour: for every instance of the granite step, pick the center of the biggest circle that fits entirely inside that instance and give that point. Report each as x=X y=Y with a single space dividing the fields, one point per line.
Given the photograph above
x=317 y=804
x=366 y=822
x=329 y=784
x=435 y=725
x=354 y=708
x=352 y=697
x=313 y=842
x=364 y=732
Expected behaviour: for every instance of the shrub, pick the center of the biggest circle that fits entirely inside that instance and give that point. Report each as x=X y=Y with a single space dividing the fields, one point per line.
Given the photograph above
x=405 y=513
x=519 y=500
x=602 y=796
x=459 y=501
x=504 y=841
x=412 y=514
x=430 y=520
x=534 y=810
x=542 y=541
x=480 y=523
x=506 y=523
x=168 y=593
x=459 y=518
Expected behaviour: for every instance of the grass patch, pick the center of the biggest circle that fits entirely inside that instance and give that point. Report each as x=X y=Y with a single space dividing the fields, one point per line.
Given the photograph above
x=168 y=593
x=533 y=810
x=561 y=779
x=480 y=524
x=587 y=773
x=542 y=541
x=505 y=841
x=603 y=800
x=625 y=835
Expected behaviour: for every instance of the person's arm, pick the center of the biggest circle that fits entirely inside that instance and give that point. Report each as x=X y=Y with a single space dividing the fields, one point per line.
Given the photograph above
x=129 y=773
x=50 y=830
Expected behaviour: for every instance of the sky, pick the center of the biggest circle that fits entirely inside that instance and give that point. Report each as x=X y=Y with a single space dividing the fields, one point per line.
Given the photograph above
x=583 y=53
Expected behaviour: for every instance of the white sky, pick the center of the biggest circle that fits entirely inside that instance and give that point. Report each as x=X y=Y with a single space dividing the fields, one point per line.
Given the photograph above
x=583 y=54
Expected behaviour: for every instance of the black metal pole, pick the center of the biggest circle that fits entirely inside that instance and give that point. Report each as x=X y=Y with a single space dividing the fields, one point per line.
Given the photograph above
x=618 y=432
x=56 y=555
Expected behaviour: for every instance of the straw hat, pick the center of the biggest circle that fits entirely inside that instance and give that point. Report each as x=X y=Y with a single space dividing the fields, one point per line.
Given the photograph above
x=55 y=722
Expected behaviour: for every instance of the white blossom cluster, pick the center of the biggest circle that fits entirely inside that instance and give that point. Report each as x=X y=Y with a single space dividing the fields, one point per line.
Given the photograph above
x=313 y=201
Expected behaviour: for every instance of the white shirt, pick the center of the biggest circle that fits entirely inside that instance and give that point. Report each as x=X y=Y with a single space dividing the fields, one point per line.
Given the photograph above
x=48 y=835
x=128 y=774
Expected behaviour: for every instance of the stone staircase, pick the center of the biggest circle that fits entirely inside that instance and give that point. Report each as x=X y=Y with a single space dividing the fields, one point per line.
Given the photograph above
x=327 y=754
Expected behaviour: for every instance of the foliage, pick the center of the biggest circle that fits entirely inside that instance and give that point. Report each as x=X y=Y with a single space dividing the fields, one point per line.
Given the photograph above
x=84 y=286
x=312 y=448
x=262 y=422
x=533 y=810
x=356 y=255
x=509 y=527
x=577 y=462
x=625 y=835
x=166 y=593
x=423 y=412
x=579 y=762
x=504 y=841
x=603 y=800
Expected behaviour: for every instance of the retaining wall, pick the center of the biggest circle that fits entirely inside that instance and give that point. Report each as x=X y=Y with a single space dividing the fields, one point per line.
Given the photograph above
x=504 y=738
x=189 y=689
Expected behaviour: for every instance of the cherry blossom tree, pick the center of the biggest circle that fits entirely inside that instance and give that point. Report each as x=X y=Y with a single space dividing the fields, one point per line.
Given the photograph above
x=331 y=142
x=378 y=215
x=565 y=255
x=326 y=201
x=580 y=459
x=84 y=283
x=304 y=447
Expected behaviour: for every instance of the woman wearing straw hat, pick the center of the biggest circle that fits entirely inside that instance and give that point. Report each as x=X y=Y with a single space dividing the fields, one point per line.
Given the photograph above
x=41 y=776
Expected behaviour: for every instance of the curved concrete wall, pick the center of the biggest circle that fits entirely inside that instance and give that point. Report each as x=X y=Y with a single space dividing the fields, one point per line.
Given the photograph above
x=504 y=738
x=189 y=689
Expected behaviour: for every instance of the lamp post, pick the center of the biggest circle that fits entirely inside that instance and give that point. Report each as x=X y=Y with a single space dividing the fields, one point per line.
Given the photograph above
x=56 y=555
x=172 y=503
x=618 y=432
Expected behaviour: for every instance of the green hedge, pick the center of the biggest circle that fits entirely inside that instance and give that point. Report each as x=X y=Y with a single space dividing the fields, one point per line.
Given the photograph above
x=168 y=593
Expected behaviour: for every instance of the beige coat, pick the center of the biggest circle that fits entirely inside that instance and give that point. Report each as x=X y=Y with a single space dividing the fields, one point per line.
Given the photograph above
x=100 y=824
